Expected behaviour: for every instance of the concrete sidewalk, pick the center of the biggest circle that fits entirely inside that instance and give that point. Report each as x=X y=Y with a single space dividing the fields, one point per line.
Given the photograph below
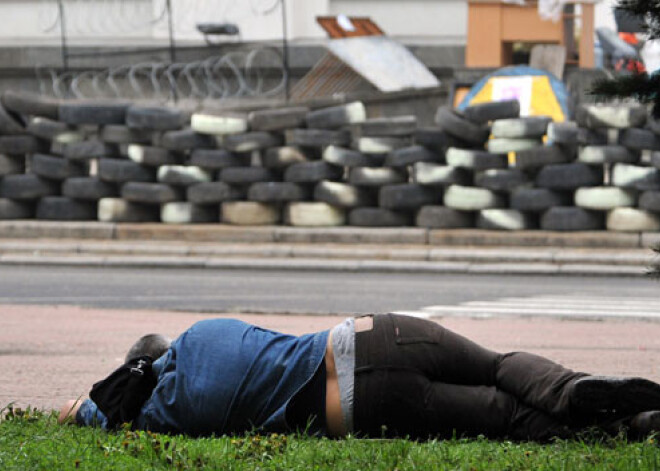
x=51 y=354
x=325 y=249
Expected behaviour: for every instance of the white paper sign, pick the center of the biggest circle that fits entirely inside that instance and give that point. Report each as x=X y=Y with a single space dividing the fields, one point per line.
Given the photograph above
x=514 y=88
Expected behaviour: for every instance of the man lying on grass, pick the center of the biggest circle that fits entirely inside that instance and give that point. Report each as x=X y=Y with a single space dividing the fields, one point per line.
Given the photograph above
x=373 y=376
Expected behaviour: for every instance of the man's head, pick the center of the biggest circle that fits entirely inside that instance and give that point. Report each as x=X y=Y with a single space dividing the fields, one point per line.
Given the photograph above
x=154 y=345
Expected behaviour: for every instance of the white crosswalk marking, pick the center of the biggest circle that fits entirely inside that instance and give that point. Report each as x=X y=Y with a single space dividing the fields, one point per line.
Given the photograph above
x=549 y=306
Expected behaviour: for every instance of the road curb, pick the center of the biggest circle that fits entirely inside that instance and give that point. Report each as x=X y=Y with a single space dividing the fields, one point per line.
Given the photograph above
x=222 y=233
x=317 y=265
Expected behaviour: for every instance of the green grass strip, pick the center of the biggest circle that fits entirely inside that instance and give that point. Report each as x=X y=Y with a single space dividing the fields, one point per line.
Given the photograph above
x=33 y=440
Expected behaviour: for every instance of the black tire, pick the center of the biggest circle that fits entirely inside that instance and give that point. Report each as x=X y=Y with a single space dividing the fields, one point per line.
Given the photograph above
x=120 y=134
x=122 y=171
x=376 y=176
x=521 y=128
x=343 y=157
x=278 y=119
x=650 y=200
x=185 y=139
x=592 y=137
x=396 y=126
x=183 y=175
x=639 y=139
x=154 y=118
x=56 y=168
x=88 y=188
x=570 y=218
x=49 y=129
x=441 y=217
x=460 y=127
x=475 y=159
x=407 y=196
x=217 y=159
x=184 y=212
x=214 y=193
x=29 y=104
x=251 y=141
x=282 y=157
x=425 y=173
x=10 y=209
x=438 y=140
x=152 y=156
x=317 y=137
x=541 y=156
x=150 y=193
x=119 y=210
x=563 y=133
x=277 y=192
x=312 y=172
x=505 y=179
x=247 y=175
x=11 y=165
x=335 y=117
x=62 y=208
x=504 y=220
x=98 y=113
x=378 y=217
x=410 y=155
x=537 y=199
x=11 y=123
x=27 y=187
x=482 y=113
x=568 y=176
x=343 y=195
x=86 y=150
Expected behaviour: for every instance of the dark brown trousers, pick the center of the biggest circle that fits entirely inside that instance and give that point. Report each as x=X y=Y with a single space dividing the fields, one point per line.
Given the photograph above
x=415 y=378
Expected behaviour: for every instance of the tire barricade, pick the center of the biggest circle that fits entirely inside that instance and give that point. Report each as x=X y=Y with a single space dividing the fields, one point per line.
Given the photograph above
x=486 y=167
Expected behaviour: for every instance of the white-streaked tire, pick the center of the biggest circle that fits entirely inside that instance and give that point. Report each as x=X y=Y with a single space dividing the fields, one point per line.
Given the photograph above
x=504 y=220
x=314 y=214
x=120 y=210
x=218 y=124
x=467 y=198
x=603 y=198
x=632 y=220
x=183 y=212
x=249 y=213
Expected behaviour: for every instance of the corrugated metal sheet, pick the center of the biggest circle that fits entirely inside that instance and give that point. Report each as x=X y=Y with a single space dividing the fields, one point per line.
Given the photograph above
x=328 y=77
x=385 y=63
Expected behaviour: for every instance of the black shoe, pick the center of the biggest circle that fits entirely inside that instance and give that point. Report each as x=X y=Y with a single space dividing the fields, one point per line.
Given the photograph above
x=644 y=424
x=608 y=393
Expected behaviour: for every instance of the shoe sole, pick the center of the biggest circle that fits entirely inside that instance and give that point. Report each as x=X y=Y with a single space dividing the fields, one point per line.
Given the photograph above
x=631 y=395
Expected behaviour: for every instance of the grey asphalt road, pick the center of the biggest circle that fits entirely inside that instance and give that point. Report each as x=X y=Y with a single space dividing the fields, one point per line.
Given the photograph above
x=295 y=292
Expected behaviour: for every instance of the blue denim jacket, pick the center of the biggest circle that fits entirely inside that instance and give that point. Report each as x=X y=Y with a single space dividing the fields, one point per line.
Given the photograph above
x=224 y=376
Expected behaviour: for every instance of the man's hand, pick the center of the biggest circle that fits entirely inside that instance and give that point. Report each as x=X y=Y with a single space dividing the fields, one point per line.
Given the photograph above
x=69 y=410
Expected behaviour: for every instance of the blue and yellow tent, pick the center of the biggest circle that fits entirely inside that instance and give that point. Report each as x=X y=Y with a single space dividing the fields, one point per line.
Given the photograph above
x=539 y=92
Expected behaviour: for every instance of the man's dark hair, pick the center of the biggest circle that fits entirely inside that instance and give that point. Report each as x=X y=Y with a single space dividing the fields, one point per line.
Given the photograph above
x=153 y=345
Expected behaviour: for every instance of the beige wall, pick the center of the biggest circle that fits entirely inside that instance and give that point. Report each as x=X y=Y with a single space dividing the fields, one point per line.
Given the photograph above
x=98 y=21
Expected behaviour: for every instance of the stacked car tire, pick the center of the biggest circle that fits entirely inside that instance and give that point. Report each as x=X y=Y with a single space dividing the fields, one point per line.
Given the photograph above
x=484 y=167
